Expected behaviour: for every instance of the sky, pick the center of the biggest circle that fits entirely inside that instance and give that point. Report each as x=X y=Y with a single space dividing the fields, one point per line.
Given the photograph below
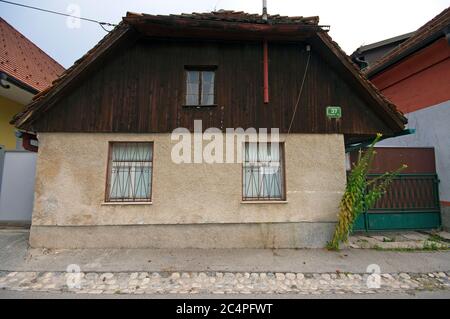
x=353 y=22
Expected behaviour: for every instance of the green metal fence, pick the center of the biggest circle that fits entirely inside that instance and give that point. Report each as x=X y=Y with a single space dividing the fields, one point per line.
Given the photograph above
x=411 y=202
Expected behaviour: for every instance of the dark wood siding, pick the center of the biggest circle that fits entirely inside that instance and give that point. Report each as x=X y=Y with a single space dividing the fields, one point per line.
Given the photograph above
x=420 y=160
x=141 y=89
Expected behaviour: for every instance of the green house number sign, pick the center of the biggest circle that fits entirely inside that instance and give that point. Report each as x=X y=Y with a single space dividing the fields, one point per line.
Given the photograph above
x=334 y=112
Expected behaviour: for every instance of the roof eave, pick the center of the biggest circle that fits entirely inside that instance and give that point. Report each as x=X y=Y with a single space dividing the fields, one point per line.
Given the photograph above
x=4 y=75
x=188 y=28
x=383 y=43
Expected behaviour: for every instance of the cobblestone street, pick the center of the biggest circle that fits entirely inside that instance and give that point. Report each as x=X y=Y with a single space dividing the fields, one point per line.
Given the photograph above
x=222 y=283
x=246 y=273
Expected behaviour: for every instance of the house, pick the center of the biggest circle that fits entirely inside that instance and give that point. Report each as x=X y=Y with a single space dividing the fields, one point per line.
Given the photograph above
x=367 y=55
x=110 y=172
x=24 y=71
x=415 y=76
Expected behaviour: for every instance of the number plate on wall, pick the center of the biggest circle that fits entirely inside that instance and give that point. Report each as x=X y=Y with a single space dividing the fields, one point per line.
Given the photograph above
x=334 y=112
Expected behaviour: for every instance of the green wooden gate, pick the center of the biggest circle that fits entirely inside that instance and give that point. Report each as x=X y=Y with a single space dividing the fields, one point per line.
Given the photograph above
x=411 y=202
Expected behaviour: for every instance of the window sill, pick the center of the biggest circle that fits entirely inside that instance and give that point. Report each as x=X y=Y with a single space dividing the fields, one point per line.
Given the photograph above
x=264 y=202
x=199 y=106
x=125 y=203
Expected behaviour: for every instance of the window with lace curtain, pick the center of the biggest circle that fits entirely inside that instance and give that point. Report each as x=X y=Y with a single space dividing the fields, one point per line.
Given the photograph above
x=130 y=168
x=263 y=172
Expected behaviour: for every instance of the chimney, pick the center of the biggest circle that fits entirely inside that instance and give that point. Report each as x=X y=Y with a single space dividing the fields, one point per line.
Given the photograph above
x=264 y=13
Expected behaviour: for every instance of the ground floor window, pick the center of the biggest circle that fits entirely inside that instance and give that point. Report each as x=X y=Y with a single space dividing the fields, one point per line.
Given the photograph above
x=263 y=172
x=130 y=166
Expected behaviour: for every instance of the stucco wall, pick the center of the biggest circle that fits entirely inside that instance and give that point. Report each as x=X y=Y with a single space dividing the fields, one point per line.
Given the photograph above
x=71 y=173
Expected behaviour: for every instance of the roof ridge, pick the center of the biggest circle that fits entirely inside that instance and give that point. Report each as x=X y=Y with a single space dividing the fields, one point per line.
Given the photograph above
x=231 y=15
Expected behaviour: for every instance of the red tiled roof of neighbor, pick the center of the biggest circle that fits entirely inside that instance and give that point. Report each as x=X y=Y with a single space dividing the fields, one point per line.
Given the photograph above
x=432 y=27
x=23 y=60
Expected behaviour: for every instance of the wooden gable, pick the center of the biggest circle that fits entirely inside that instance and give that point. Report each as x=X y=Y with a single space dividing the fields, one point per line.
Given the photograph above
x=137 y=85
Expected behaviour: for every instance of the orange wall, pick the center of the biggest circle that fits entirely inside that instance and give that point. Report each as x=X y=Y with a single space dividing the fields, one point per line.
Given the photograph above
x=420 y=80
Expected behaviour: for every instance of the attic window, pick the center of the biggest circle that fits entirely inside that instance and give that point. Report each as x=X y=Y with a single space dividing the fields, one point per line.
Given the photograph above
x=200 y=88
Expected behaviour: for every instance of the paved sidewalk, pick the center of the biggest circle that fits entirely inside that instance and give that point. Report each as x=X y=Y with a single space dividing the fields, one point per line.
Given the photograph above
x=218 y=271
x=15 y=256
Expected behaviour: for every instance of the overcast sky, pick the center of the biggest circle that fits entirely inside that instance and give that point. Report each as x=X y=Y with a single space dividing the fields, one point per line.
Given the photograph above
x=353 y=22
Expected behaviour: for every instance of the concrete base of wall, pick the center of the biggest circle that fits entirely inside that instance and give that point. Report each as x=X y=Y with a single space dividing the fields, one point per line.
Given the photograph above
x=264 y=235
x=15 y=223
x=445 y=217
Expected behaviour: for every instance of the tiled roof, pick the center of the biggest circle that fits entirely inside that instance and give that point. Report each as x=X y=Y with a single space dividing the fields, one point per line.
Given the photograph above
x=390 y=41
x=22 y=59
x=435 y=25
x=240 y=16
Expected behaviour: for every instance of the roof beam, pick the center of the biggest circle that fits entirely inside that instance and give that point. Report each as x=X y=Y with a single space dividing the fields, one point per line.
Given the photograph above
x=190 y=28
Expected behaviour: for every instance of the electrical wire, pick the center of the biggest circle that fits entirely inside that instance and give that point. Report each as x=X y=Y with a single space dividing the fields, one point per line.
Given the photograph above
x=215 y=6
x=300 y=93
x=102 y=24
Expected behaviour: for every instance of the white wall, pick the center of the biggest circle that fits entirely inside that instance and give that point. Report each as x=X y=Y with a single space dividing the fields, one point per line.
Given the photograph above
x=17 y=186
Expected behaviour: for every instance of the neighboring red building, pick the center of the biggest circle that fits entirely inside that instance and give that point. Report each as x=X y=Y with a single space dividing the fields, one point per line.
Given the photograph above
x=419 y=80
x=416 y=77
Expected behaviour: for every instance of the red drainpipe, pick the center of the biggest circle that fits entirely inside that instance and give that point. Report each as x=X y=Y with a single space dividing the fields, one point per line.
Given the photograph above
x=266 y=71
x=26 y=142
